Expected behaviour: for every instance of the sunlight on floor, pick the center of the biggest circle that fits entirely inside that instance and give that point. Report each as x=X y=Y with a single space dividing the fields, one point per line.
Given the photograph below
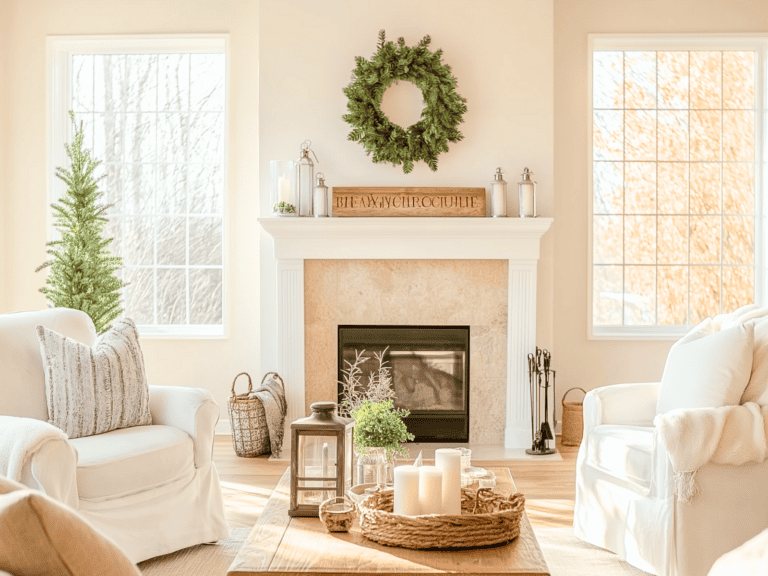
x=243 y=503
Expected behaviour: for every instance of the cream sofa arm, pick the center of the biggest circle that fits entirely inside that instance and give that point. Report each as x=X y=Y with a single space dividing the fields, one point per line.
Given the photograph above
x=192 y=410
x=40 y=456
x=628 y=404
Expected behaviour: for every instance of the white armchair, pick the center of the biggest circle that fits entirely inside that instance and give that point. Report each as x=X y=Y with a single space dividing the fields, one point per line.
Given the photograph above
x=625 y=499
x=152 y=489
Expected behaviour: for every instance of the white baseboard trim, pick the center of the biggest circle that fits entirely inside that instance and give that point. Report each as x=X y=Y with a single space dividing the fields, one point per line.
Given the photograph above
x=223 y=428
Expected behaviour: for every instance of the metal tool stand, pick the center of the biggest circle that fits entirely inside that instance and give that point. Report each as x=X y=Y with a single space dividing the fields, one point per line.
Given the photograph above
x=540 y=378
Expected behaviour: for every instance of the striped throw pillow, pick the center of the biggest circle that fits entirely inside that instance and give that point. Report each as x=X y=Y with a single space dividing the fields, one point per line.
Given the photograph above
x=95 y=390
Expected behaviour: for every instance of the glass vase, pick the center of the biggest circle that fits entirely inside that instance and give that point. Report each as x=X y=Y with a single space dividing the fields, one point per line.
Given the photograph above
x=372 y=466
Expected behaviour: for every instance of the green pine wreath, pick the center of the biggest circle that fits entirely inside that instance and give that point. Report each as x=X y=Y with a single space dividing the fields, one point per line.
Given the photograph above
x=443 y=107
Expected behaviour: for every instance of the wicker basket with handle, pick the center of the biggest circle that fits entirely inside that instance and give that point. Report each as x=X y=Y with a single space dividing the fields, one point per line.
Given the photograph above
x=573 y=420
x=250 y=435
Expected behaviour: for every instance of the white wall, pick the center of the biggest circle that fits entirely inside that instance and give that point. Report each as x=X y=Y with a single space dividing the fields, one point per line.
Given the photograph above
x=208 y=363
x=581 y=362
x=499 y=50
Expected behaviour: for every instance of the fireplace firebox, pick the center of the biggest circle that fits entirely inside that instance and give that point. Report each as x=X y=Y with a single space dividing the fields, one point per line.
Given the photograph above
x=430 y=373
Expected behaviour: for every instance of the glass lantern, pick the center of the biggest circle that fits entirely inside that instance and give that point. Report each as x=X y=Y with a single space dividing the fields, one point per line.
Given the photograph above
x=305 y=179
x=498 y=195
x=321 y=459
x=320 y=197
x=527 y=195
x=283 y=185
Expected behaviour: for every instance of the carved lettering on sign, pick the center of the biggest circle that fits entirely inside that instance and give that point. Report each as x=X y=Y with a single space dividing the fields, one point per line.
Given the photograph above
x=408 y=202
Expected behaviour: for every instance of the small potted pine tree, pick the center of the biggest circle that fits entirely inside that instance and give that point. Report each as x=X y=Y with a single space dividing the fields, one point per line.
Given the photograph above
x=82 y=269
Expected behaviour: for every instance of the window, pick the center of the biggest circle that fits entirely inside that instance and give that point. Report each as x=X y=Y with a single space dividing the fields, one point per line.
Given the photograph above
x=675 y=181
x=154 y=113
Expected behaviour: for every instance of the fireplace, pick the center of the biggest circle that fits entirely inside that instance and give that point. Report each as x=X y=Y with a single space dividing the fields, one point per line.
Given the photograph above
x=429 y=366
x=329 y=272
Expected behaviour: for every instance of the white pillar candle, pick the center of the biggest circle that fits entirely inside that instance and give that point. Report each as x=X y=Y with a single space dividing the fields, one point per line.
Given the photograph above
x=449 y=461
x=430 y=490
x=319 y=203
x=284 y=190
x=498 y=199
x=407 y=490
x=526 y=199
x=326 y=469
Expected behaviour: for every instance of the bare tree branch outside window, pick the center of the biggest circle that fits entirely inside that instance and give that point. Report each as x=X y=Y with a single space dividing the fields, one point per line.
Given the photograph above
x=157 y=122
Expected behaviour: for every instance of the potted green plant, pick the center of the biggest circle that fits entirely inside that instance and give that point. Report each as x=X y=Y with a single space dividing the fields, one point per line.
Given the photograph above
x=379 y=432
x=283 y=209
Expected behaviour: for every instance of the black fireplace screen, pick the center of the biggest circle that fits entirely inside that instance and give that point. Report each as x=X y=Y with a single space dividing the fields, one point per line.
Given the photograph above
x=430 y=373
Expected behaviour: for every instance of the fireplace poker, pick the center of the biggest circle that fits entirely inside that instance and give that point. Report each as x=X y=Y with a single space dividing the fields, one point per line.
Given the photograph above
x=546 y=431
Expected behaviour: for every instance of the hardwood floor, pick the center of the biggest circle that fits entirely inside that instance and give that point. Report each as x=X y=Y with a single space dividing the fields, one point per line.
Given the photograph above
x=548 y=485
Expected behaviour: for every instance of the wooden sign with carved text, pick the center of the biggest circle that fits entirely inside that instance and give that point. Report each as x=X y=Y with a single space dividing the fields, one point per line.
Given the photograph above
x=377 y=201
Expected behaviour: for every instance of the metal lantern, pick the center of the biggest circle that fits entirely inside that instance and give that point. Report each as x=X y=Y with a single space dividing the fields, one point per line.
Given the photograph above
x=320 y=197
x=527 y=192
x=305 y=178
x=321 y=459
x=498 y=195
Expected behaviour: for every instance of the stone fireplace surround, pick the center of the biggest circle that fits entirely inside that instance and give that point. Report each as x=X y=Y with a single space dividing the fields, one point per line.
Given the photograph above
x=338 y=260
x=412 y=292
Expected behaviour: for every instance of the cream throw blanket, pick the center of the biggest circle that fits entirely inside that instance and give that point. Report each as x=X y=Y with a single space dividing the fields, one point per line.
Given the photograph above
x=20 y=438
x=731 y=435
x=272 y=397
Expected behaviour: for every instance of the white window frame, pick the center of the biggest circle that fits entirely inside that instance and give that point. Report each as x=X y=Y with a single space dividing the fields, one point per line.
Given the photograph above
x=659 y=42
x=60 y=50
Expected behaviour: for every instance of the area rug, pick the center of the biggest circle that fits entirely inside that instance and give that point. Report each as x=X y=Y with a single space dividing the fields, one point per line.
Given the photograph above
x=566 y=555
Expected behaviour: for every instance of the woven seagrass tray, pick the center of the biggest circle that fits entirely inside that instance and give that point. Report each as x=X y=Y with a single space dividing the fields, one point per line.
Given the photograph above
x=487 y=518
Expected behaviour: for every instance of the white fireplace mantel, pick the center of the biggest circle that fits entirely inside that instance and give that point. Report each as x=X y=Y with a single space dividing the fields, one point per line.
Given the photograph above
x=516 y=240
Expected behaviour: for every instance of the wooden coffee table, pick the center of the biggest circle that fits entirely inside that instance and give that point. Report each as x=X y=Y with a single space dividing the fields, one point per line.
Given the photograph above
x=280 y=545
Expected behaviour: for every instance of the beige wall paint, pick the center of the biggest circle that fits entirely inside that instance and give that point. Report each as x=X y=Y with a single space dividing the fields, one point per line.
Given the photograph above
x=207 y=363
x=307 y=50
x=5 y=22
x=581 y=362
x=499 y=50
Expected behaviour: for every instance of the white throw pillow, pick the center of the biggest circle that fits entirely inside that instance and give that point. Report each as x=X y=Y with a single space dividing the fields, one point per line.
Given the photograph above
x=757 y=389
x=95 y=390
x=707 y=372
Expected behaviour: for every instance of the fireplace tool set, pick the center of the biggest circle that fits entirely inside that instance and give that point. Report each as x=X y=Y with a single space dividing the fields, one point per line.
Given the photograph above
x=541 y=378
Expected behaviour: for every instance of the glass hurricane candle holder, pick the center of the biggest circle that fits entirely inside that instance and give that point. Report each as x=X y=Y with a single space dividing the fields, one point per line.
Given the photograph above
x=283 y=188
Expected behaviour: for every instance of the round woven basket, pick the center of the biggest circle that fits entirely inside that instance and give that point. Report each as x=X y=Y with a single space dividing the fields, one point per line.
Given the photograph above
x=486 y=518
x=573 y=420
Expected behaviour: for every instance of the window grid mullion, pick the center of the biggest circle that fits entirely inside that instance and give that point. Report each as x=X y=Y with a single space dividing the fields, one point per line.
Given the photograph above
x=720 y=188
x=689 y=311
x=624 y=182
x=656 y=167
x=186 y=219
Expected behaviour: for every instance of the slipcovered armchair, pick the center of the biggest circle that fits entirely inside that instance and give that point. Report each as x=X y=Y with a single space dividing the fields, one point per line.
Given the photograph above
x=152 y=489
x=625 y=491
